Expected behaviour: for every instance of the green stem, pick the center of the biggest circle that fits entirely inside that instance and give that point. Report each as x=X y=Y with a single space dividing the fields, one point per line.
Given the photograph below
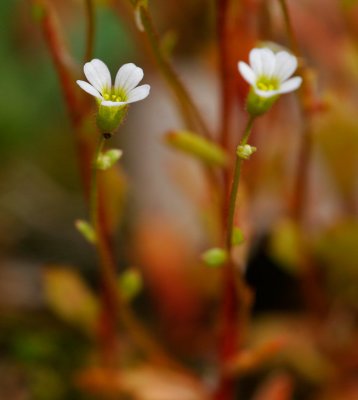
x=235 y=184
x=118 y=307
x=90 y=30
x=94 y=189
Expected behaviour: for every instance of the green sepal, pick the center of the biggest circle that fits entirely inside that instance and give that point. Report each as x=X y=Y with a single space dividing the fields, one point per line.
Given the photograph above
x=215 y=257
x=257 y=105
x=194 y=145
x=109 y=117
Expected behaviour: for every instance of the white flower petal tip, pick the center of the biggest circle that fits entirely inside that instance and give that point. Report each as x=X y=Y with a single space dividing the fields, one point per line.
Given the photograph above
x=269 y=72
x=125 y=89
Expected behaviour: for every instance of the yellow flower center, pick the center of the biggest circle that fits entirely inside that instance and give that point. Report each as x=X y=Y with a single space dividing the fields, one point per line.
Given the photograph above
x=267 y=84
x=116 y=95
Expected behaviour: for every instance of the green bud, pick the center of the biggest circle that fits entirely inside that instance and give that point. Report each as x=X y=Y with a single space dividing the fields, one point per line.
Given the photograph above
x=245 y=151
x=130 y=283
x=109 y=118
x=257 y=105
x=237 y=237
x=108 y=159
x=215 y=257
x=86 y=230
x=194 y=145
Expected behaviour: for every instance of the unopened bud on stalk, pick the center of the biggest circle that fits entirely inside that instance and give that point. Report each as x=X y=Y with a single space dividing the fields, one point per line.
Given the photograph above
x=108 y=159
x=245 y=151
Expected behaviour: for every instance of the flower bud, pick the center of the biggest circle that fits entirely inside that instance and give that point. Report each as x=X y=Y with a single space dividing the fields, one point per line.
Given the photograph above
x=86 y=230
x=108 y=159
x=245 y=151
x=130 y=283
x=215 y=257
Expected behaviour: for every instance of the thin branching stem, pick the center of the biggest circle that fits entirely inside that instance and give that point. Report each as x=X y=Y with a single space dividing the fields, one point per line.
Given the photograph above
x=235 y=185
x=188 y=108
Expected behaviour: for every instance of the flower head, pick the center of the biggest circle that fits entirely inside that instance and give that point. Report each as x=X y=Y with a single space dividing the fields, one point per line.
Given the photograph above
x=113 y=100
x=125 y=89
x=269 y=73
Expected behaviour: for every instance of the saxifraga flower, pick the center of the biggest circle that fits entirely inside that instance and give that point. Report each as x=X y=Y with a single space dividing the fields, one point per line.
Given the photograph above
x=113 y=100
x=269 y=72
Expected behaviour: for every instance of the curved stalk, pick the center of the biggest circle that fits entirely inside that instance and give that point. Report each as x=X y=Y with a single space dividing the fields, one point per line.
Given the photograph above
x=189 y=110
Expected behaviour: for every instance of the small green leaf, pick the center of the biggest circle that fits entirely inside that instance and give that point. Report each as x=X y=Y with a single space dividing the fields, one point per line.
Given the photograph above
x=215 y=257
x=130 y=283
x=108 y=159
x=237 y=237
x=194 y=145
x=86 y=230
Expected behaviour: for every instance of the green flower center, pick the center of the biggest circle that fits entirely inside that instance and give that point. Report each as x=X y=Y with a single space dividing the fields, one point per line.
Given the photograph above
x=114 y=94
x=267 y=84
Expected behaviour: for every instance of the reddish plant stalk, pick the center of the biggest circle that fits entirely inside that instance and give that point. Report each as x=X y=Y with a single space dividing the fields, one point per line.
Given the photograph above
x=84 y=143
x=78 y=112
x=311 y=287
x=228 y=326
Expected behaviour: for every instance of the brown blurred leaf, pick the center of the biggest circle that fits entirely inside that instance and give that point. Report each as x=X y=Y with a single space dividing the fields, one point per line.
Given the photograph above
x=70 y=298
x=255 y=357
x=301 y=351
x=143 y=383
x=276 y=387
x=337 y=138
x=337 y=249
x=285 y=245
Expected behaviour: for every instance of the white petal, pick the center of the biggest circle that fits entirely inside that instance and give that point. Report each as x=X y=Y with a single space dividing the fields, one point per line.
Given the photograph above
x=255 y=61
x=290 y=85
x=89 y=89
x=98 y=75
x=128 y=77
x=113 y=103
x=139 y=93
x=247 y=73
x=266 y=93
x=286 y=65
x=268 y=62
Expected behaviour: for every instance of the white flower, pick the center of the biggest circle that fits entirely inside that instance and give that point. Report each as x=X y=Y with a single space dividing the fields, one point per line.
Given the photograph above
x=125 y=89
x=268 y=72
